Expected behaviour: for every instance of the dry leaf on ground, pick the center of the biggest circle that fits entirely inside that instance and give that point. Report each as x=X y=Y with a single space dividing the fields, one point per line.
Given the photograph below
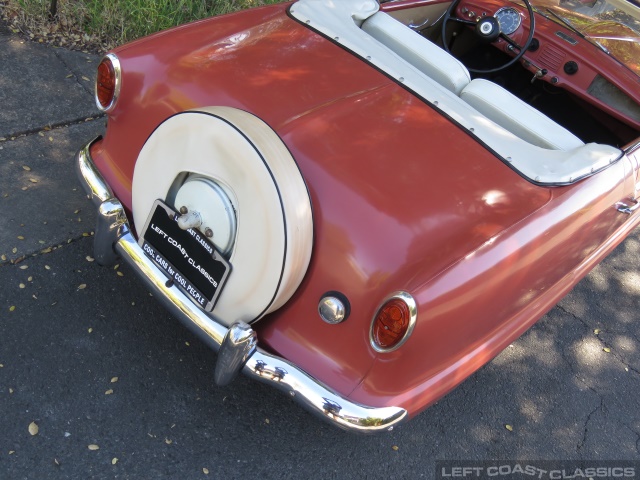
x=33 y=428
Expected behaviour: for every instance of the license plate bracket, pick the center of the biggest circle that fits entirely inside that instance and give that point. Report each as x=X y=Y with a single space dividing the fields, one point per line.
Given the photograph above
x=186 y=257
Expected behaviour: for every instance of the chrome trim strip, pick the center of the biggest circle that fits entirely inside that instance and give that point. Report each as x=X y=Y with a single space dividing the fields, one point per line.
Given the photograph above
x=116 y=91
x=413 y=312
x=633 y=146
x=114 y=236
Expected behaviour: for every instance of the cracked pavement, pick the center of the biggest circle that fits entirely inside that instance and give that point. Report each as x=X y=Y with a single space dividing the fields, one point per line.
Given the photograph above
x=92 y=359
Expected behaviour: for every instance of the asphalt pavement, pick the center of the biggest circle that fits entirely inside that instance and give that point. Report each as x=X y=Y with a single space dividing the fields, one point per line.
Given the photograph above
x=98 y=381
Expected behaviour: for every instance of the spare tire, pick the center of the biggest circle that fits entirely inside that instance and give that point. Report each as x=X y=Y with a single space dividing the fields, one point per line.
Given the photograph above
x=249 y=169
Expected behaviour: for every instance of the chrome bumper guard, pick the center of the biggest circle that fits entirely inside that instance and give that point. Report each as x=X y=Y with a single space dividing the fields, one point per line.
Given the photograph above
x=237 y=345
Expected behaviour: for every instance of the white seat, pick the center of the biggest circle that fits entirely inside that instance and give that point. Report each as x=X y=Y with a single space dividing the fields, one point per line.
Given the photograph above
x=418 y=51
x=512 y=114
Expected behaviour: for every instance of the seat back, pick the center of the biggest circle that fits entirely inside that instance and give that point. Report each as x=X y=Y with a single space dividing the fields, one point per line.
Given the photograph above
x=418 y=51
x=519 y=118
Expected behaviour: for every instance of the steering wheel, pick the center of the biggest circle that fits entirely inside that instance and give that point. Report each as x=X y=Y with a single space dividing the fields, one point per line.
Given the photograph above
x=488 y=30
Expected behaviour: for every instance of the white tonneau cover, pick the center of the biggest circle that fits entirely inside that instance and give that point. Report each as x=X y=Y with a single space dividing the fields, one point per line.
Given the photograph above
x=341 y=20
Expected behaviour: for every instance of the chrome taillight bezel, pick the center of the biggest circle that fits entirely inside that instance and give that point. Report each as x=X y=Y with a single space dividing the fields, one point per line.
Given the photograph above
x=117 y=69
x=413 y=315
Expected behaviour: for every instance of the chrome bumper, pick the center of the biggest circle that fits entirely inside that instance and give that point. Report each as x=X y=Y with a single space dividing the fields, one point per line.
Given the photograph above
x=236 y=346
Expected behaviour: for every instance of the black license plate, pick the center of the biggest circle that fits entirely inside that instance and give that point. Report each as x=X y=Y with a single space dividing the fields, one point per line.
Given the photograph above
x=187 y=257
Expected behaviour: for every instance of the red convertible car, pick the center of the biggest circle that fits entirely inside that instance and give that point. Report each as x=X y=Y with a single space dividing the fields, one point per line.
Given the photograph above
x=362 y=203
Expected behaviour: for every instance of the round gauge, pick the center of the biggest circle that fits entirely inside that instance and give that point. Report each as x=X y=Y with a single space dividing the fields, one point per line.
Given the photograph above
x=509 y=20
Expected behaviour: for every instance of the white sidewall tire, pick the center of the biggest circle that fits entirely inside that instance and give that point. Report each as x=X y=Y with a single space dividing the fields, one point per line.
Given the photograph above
x=274 y=235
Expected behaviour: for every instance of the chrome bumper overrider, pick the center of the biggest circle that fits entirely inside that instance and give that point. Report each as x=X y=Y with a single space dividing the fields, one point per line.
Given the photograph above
x=236 y=346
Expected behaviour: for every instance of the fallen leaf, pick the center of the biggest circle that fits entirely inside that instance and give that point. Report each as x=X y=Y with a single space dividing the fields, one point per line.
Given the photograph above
x=47 y=267
x=108 y=392
x=14 y=250
x=29 y=279
x=22 y=285
x=85 y=79
x=33 y=428
x=33 y=180
x=20 y=237
x=120 y=274
x=167 y=441
x=607 y=349
x=90 y=330
x=46 y=250
x=114 y=461
x=596 y=331
x=89 y=259
x=23 y=188
x=12 y=308
x=51 y=139
x=3 y=257
x=24 y=267
x=55 y=460
x=114 y=379
x=82 y=286
x=28 y=169
x=93 y=446
x=205 y=471
x=509 y=427
x=10 y=390
x=266 y=420
x=117 y=265
x=76 y=211
x=11 y=452
x=395 y=448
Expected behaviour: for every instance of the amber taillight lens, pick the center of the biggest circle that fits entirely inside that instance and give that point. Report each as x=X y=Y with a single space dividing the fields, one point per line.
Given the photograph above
x=107 y=82
x=393 y=322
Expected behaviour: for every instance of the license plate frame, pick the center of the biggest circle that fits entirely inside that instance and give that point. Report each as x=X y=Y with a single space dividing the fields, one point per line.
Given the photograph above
x=186 y=257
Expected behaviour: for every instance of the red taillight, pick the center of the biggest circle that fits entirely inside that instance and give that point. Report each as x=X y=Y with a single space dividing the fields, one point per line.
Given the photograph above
x=393 y=322
x=106 y=83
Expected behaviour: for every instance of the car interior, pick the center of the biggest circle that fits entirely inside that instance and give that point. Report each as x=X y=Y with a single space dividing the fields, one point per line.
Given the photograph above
x=557 y=92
